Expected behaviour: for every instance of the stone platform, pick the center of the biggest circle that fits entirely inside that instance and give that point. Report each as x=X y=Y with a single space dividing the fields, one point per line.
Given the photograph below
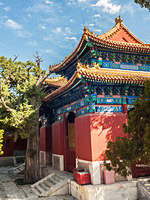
x=126 y=190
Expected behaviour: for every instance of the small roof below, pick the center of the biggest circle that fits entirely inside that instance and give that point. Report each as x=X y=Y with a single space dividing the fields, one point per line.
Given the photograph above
x=120 y=33
x=56 y=81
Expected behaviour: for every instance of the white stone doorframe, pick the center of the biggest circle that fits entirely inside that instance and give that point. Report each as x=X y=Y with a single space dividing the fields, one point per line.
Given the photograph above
x=58 y=162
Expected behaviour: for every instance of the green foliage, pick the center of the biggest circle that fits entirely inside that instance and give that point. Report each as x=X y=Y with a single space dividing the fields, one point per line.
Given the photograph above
x=135 y=147
x=143 y=3
x=1 y=141
x=21 y=95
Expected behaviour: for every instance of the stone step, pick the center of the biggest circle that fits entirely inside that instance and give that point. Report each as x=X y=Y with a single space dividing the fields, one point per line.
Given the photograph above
x=49 y=184
x=44 y=186
x=37 y=192
x=52 y=180
x=17 y=170
x=57 y=178
x=40 y=189
x=53 y=184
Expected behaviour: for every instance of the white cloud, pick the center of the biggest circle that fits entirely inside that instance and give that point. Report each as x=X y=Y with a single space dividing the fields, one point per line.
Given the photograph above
x=67 y=31
x=49 y=2
x=7 y=8
x=82 y=1
x=32 y=43
x=108 y=6
x=71 y=20
x=91 y=25
x=48 y=51
x=41 y=26
x=71 y=38
x=12 y=24
x=71 y=2
x=97 y=15
x=39 y=7
x=128 y=8
x=98 y=30
x=47 y=38
x=1 y=4
x=57 y=30
x=22 y=33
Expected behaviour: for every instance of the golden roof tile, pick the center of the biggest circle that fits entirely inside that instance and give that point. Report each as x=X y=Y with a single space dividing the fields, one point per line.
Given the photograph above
x=102 y=75
x=56 y=81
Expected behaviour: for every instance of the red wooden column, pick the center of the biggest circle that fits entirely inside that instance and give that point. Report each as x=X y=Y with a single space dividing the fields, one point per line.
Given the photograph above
x=46 y=145
x=58 y=145
x=93 y=131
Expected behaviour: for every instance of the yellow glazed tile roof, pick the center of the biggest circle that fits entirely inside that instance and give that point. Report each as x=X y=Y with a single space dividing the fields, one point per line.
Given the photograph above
x=98 y=74
x=57 y=81
x=105 y=41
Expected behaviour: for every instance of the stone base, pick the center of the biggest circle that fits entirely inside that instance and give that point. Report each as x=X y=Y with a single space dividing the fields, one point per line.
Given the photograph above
x=93 y=168
x=58 y=162
x=45 y=158
x=119 y=191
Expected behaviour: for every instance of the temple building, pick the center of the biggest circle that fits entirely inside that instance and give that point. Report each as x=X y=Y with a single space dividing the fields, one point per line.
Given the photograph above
x=104 y=76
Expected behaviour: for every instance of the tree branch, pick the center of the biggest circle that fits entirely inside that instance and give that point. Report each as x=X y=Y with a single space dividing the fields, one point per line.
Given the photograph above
x=40 y=81
x=3 y=101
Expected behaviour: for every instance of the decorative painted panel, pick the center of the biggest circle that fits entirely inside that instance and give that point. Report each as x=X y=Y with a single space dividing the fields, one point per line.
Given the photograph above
x=125 y=66
x=109 y=109
x=94 y=108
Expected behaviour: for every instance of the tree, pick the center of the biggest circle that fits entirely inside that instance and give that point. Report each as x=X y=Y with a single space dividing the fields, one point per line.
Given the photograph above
x=143 y=3
x=135 y=147
x=1 y=141
x=21 y=94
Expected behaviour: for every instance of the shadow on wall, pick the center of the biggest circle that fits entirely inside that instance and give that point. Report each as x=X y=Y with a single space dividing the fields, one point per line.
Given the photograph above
x=106 y=127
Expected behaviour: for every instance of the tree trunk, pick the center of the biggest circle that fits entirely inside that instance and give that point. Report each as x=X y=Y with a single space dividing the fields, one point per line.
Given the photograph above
x=32 y=164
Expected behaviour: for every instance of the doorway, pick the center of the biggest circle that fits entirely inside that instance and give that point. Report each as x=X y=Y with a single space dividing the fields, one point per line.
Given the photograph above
x=70 y=142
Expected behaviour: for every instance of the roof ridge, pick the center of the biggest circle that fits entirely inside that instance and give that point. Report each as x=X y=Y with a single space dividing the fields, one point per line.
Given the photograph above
x=116 y=28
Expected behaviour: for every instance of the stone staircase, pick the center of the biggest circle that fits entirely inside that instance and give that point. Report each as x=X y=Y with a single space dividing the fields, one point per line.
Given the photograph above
x=17 y=170
x=53 y=184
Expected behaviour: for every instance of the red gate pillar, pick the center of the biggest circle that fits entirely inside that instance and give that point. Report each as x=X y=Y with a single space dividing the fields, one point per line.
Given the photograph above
x=58 y=145
x=46 y=145
x=93 y=131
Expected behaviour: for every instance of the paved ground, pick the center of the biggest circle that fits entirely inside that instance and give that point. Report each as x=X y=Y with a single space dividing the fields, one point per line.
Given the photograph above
x=10 y=191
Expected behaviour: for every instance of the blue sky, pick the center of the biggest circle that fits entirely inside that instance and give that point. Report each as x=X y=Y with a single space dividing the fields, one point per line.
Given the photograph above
x=54 y=27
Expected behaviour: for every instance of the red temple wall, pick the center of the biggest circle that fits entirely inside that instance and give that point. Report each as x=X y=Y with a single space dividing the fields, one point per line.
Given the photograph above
x=83 y=139
x=46 y=138
x=93 y=131
x=105 y=128
x=58 y=138
x=9 y=146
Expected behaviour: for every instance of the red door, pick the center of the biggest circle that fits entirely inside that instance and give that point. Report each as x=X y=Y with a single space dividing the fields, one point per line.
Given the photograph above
x=70 y=142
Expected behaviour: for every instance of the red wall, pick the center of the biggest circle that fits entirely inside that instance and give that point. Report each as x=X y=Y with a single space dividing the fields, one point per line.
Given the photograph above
x=104 y=128
x=93 y=131
x=46 y=138
x=9 y=145
x=83 y=138
x=58 y=138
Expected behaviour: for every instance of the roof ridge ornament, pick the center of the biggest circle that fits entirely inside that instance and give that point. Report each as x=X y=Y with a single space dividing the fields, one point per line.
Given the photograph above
x=118 y=20
x=86 y=29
